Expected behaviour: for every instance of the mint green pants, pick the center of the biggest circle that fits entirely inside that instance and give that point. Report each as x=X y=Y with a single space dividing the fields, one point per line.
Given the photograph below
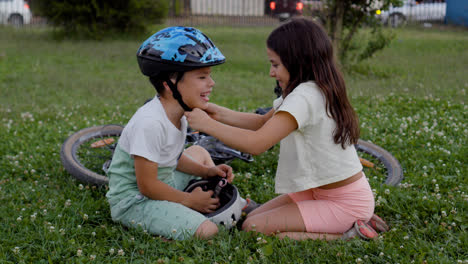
x=132 y=209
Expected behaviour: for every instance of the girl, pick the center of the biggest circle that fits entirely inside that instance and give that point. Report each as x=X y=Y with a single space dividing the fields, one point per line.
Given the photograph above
x=324 y=190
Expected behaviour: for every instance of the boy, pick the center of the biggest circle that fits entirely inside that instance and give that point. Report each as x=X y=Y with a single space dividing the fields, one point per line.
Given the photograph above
x=150 y=167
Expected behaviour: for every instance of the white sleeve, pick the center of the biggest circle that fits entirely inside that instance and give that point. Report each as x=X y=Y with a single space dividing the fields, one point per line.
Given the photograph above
x=146 y=140
x=300 y=107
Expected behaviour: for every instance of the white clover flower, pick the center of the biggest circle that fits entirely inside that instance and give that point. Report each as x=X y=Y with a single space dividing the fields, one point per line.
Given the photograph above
x=381 y=254
x=387 y=191
x=79 y=226
x=19 y=218
x=111 y=251
x=120 y=252
x=443 y=213
x=92 y=257
x=79 y=252
x=67 y=203
x=406 y=237
x=359 y=260
x=93 y=233
x=51 y=229
x=16 y=250
x=85 y=216
x=80 y=187
x=62 y=231
x=33 y=217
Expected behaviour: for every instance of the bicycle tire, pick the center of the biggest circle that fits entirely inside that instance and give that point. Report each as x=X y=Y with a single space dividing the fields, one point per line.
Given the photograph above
x=73 y=164
x=394 y=171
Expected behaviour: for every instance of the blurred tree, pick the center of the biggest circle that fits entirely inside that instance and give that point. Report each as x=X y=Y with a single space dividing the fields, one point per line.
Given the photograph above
x=344 y=19
x=95 y=18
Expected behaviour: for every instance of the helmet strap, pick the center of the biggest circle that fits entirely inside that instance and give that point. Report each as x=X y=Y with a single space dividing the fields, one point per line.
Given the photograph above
x=175 y=92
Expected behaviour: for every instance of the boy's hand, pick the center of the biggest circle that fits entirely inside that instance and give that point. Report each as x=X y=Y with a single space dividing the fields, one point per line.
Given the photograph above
x=221 y=170
x=197 y=119
x=202 y=202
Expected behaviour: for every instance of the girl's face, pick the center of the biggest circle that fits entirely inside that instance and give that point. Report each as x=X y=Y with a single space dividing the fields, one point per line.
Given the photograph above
x=277 y=69
x=195 y=87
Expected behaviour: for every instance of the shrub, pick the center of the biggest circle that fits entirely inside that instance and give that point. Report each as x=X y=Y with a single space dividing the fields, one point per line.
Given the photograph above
x=96 y=18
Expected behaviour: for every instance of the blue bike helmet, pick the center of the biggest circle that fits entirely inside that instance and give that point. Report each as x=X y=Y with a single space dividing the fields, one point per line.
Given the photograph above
x=177 y=49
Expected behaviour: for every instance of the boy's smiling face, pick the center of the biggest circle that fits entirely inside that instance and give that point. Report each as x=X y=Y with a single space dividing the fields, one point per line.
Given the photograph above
x=195 y=87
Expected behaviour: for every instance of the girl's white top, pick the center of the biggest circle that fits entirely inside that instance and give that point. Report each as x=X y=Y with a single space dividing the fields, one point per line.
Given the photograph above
x=308 y=156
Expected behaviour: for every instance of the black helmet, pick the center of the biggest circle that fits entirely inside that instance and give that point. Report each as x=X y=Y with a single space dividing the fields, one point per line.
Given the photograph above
x=177 y=49
x=231 y=204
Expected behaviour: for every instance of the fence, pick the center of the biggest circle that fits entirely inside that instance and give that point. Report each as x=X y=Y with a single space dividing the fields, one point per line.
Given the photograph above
x=244 y=12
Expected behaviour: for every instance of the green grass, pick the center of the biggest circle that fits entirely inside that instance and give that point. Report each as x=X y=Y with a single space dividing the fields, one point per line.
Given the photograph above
x=410 y=99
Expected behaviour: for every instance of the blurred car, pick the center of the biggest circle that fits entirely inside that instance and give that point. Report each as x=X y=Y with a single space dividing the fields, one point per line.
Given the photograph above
x=413 y=11
x=284 y=9
x=15 y=12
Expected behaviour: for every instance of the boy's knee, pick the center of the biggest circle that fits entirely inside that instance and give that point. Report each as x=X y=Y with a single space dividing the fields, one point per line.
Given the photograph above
x=199 y=154
x=206 y=230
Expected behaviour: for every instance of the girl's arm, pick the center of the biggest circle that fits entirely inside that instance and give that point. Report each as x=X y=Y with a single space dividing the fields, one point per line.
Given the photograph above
x=148 y=184
x=230 y=117
x=193 y=167
x=255 y=142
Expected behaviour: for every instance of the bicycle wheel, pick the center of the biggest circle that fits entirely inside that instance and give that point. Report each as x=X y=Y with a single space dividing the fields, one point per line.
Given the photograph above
x=86 y=154
x=381 y=160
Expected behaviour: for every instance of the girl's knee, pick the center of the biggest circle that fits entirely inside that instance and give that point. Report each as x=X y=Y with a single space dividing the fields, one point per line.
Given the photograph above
x=248 y=225
x=206 y=230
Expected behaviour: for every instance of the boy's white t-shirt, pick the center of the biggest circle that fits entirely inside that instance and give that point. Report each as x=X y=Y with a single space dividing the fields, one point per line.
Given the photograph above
x=150 y=134
x=309 y=157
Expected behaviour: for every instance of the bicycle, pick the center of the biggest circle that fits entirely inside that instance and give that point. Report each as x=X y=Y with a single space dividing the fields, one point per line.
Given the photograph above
x=87 y=154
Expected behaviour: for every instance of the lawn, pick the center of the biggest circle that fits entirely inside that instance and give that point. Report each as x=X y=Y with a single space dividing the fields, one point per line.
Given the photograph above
x=411 y=100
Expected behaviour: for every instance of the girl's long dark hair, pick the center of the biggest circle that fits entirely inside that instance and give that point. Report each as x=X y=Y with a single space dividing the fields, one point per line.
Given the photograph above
x=307 y=53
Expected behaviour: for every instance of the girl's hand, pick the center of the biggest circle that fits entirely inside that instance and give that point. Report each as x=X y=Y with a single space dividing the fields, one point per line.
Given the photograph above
x=211 y=110
x=221 y=170
x=201 y=201
x=197 y=119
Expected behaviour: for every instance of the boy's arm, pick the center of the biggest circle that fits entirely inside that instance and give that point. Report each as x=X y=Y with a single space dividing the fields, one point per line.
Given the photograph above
x=148 y=184
x=190 y=166
x=230 y=117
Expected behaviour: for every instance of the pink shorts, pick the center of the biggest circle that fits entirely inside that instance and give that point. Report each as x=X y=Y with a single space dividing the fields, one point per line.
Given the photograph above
x=335 y=210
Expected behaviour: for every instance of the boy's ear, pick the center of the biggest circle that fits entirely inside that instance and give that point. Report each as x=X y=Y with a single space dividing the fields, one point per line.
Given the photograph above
x=167 y=89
